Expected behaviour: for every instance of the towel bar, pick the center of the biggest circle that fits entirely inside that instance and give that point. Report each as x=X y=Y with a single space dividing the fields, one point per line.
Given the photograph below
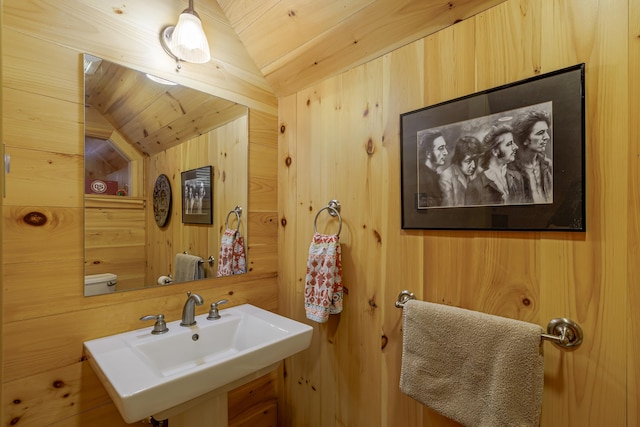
x=211 y=260
x=334 y=210
x=563 y=332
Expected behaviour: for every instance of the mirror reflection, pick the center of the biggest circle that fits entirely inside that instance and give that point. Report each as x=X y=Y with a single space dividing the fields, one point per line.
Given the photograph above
x=166 y=181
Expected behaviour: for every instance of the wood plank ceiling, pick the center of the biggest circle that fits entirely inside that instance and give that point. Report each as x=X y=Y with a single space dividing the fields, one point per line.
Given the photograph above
x=296 y=43
x=154 y=117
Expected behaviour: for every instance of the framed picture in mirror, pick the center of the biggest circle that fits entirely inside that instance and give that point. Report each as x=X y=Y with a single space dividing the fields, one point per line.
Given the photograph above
x=197 y=200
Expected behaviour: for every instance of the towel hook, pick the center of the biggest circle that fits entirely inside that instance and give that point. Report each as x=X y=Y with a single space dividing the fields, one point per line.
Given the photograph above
x=238 y=212
x=563 y=332
x=334 y=208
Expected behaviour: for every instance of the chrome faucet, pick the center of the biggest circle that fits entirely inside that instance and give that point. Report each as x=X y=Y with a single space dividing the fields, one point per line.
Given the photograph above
x=188 y=311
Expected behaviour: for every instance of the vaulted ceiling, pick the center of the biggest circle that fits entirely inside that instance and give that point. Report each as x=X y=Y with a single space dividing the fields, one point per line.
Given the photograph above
x=296 y=43
x=263 y=48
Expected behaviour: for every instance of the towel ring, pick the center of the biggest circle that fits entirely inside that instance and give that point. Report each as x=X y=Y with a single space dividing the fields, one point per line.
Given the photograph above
x=238 y=211
x=563 y=332
x=334 y=210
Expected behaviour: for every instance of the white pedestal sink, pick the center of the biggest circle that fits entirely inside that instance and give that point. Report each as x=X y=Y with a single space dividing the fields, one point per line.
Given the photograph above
x=184 y=375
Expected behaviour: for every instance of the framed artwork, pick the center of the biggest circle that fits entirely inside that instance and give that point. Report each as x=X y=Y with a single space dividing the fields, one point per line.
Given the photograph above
x=508 y=158
x=197 y=200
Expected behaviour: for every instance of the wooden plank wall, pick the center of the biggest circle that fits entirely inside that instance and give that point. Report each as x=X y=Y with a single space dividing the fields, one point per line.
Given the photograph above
x=114 y=239
x=45 y=318
x=226 y=150
x=1 y=205
x=340 y=140
x=633 y=204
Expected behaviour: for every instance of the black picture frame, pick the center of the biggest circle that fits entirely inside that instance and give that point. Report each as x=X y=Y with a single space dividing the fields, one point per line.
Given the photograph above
x=197 y=200
x=556 y=203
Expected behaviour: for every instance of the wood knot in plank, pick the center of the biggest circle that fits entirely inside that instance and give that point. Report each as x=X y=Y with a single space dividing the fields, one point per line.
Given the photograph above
x=288 y=161
x=283 y=222
x=36 y=219
x=371 y=148
x=385 y=341
x=377 y=236
x=283 y=128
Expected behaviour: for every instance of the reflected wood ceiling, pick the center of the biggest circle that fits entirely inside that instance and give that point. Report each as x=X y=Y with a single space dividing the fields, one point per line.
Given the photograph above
x=150 y=116
x=296 y=43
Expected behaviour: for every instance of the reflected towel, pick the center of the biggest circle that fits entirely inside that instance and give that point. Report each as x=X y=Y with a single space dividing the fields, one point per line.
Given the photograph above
x=323 y=285
x=187 y=268
x=477 y=369
x=232 y=259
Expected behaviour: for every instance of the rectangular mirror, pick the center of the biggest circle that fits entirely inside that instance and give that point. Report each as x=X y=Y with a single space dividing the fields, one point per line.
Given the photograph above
x=142 y=135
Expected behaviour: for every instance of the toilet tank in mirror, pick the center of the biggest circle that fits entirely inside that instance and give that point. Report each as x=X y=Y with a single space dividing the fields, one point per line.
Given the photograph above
x=148 y=141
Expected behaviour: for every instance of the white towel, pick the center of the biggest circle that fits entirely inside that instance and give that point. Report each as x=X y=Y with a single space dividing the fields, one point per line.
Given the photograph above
x=187 y=268
x=477 y=369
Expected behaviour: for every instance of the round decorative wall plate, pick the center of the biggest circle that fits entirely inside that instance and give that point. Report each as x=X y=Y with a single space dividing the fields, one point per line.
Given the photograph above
x=161 y=200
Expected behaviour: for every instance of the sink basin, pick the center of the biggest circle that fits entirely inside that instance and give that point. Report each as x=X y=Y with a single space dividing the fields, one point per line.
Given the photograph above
x=146 y=374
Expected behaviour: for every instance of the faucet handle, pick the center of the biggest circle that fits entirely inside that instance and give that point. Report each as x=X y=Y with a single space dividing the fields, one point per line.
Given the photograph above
x=160 y=327
x=213 y=313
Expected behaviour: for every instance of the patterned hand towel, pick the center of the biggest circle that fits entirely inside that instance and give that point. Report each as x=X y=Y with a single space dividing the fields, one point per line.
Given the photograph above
x=323 y=284
x=187 y=268
x=232 y=259
x=477 y=369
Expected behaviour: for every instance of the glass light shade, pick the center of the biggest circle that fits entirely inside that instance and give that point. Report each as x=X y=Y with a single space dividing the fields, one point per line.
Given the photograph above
x=188 y=41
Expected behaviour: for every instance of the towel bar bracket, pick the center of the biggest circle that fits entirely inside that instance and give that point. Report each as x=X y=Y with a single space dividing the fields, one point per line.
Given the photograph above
x=403 y=297
x=564 y=333
x=335 y=207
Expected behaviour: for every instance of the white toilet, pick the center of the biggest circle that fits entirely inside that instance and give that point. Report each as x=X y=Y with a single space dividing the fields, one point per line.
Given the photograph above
x=98 y=284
